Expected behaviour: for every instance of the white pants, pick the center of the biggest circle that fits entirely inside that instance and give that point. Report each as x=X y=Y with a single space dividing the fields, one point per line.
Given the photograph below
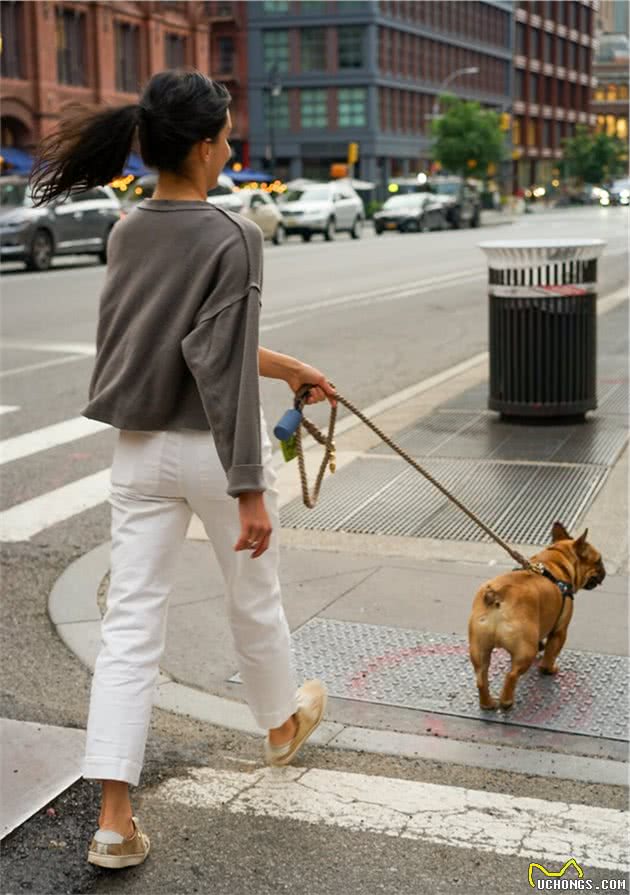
x=158 y=480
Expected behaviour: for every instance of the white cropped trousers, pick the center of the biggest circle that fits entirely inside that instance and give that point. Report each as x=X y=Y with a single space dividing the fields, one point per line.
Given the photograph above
x=158 y=480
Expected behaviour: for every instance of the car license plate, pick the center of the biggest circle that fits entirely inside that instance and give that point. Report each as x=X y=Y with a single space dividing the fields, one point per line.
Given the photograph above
x=391 y=226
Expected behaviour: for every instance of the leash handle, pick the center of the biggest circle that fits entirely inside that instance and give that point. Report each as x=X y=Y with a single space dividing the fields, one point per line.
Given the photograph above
x=290 y=421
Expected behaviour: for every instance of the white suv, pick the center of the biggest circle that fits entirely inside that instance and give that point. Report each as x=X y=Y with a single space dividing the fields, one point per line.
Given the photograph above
x=323 y=208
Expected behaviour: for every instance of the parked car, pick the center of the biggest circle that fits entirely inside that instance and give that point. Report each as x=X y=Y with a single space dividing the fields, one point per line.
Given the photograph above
x=226 y=195
x=411 y=212
x=460 y=199
x=258 y=206
x=619 y=192
x=323 y=208
x=77 y=225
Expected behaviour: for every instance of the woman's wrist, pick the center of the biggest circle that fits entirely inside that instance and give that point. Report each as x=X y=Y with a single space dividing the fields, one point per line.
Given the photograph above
x=273 y=365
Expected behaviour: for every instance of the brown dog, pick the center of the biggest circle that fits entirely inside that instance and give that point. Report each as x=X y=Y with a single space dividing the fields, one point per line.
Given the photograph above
x=518 y=610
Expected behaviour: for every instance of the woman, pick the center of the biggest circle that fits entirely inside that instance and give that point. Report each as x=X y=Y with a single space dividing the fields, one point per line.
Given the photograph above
x=177 y=372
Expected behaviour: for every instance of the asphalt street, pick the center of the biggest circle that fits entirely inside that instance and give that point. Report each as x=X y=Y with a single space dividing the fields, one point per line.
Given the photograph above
x=376 y=315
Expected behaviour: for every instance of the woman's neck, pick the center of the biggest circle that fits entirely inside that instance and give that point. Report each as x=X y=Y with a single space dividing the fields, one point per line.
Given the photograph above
x=172 y=187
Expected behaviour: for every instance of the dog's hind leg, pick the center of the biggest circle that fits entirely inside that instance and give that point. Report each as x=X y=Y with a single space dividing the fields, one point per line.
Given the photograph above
x=521 y=663
x=480 y=658
x=547 y=665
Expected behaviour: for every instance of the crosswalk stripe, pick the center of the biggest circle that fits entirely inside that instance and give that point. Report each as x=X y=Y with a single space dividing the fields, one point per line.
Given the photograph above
x=24 y=520
x=49 y=437
x=545 y=831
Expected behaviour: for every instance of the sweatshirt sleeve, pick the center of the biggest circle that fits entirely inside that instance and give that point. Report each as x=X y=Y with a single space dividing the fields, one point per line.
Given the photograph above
x=222 y=355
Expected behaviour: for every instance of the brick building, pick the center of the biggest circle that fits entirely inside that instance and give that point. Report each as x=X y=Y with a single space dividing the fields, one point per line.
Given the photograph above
x=323 y=74
x=553 y=80
x=103 y=52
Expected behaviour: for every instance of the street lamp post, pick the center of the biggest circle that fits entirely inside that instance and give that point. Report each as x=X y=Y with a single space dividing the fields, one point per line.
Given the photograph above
x=275 y=89
x=472 y=70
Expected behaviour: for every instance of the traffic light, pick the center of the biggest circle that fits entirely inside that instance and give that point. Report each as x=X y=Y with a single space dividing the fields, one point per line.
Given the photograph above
x=353 y=153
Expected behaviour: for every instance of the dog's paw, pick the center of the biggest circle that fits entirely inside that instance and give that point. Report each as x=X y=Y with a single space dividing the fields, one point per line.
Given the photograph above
x=544 y=670
x=489 y=706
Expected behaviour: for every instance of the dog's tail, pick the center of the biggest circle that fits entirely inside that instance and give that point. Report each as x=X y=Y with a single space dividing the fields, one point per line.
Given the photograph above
x=492 y=597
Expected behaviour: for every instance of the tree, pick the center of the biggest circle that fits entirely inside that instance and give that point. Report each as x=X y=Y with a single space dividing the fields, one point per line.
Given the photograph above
x=467 y=137
x=593 y=158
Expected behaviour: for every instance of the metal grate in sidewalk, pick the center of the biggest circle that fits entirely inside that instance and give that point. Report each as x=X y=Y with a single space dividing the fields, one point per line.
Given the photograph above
x=381 y=496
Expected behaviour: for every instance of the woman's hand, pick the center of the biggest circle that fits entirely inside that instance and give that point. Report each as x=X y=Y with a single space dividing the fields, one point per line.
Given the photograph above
x=304 y=374
x=255 y=523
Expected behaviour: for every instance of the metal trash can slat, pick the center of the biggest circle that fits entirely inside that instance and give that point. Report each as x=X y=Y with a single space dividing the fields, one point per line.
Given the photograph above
x=542 y=326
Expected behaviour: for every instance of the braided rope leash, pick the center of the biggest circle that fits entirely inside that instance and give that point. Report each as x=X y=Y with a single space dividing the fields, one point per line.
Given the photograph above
x=310 y=500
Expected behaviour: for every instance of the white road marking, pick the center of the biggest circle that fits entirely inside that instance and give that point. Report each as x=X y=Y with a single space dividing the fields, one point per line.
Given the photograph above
x=41 y=366
x=24 y=520
x=389 y=293
x=546 y=831
x=48 y=437
x=8 y=408
x=86 y=348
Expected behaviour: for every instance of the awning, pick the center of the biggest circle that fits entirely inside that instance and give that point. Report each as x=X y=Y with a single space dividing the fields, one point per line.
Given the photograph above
x=247 y=176
x=15 y=161
x=134 y=165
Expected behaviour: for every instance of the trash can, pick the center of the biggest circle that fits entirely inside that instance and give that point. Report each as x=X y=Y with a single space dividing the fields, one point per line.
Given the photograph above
x=542 y=333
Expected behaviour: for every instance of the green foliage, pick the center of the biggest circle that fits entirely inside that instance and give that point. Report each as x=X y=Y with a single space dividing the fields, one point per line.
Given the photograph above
x=465 y=134
x=593 y=158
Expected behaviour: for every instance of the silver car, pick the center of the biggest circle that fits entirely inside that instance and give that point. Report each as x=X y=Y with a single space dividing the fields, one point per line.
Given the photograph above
x=77 y=225
x=323 y=208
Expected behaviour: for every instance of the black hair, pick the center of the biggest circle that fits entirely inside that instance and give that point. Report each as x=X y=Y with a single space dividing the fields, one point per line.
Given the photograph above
x=176 y=110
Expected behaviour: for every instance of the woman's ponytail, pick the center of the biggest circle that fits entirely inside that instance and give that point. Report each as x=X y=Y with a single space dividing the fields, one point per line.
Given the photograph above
x=89 y=149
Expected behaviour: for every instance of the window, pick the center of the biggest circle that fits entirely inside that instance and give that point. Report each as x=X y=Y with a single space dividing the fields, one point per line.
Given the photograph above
x=11 y=63
x=276 y=50
x=622 y=91
x=275 y=6
x=547 y=43
x=622 y=128
x=562 y=52
x=611 y=92
x=389 y=49
x=70 y=44
x=558 y=134
x=547 y=133
x=534 y=43
x=127 y=43
x=531 y=133
x=226 y=55
x=516 y=131
x=572 y=55
x=312 y=6
x=386 y=109
x=313 y=49
x=548 y=91
x=277 y=110
x=175 y=50
x=90 y=195
x=533 y=88
x=314 y=108
x=519 y=84
x=520 y=39
x=351 y=47
x=352 y=107
x=600 y=94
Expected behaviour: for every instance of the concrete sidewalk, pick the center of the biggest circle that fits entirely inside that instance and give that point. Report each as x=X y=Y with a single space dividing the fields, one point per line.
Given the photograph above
x=382 y=619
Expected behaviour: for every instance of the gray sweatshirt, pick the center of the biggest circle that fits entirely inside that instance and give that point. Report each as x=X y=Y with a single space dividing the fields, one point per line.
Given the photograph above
x=177 y=338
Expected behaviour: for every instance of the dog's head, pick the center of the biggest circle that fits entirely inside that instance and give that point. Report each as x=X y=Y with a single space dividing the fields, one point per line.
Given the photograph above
x=589 y=568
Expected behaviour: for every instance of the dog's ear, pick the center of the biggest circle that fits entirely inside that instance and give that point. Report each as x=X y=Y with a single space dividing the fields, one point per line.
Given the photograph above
x=559 y=532
x=580 y=543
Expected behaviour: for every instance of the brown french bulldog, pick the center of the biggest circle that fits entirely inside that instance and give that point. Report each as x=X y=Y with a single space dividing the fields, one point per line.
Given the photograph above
x=518 y=610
